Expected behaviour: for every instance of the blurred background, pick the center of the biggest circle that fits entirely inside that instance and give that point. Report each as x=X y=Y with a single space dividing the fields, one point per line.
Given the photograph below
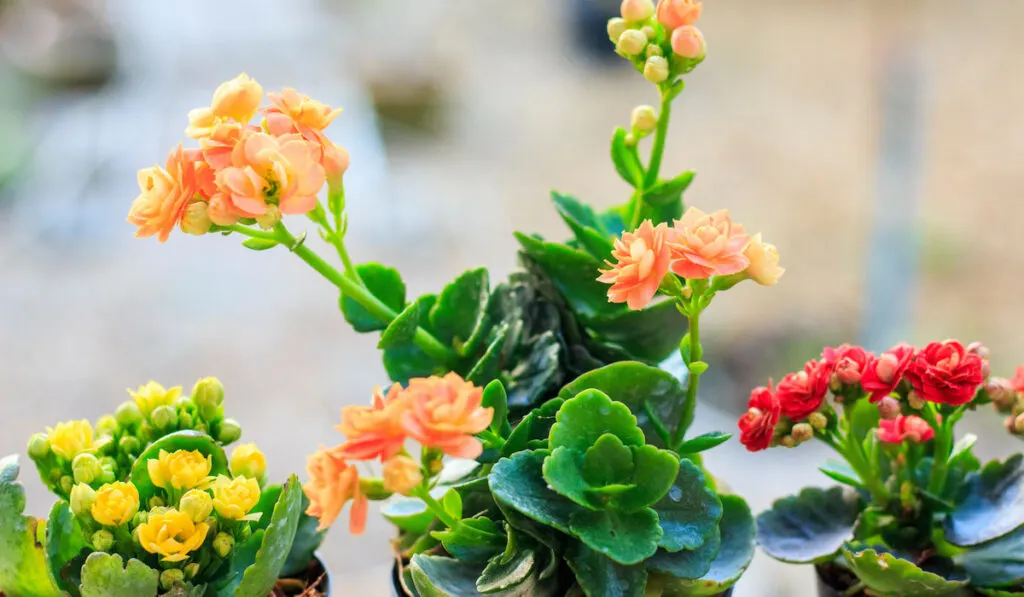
x=878 y=144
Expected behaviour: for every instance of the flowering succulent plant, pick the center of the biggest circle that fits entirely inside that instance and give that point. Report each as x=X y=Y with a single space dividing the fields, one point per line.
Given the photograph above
x=150 y=504
x=920 y=515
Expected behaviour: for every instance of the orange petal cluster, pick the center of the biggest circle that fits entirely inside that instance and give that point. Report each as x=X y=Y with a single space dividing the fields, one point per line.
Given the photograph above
x=333 y=482
x=641 y=261
x=241 y=170
x=374 y=431
x=706 y=245
x=444 y=413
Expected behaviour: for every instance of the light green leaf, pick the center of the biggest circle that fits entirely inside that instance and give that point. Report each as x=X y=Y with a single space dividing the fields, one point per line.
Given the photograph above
x=105 y=575
x=403 y=329
x=627 y=538
x=607 y=462
x=625 y=160
x=889 y=575
x=494 y=397
x=65 y=541
x=669 y=191
x=307 y=541
x=23 y=565
x=187 y=440
x=589 y=415
x=474 y=540
x=259 y=244
x=653 y=474
x=704 y=442
x=386 y=284
x=563 y=470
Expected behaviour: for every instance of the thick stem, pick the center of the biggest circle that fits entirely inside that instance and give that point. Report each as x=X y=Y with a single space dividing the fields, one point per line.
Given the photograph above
x=694 y=380
x=660 y=133
x=943 y=446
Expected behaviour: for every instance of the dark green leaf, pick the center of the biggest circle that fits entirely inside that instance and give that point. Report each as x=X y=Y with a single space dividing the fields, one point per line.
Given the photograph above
x=241 y=558
x=688 y=563
x=505 y=572
x=563 y=471
x=436 y=576
x=187 y=440
x=307 y=541
x=259 y=579
x=535 y=426
x=64 y=542
x=474 y=540
x=689 y=514
x=626 y=538
x=650 y=335
x=405 y=361
x=892 y=576
x=625 y=160
x=654 y=471
x=488 y=367
x=575 y=275
x=993 y=506
x=668 y=192
x=999 y=563
x=106 y=575
x=386 y=284
x=494 y=397
x=460 y=308
x=403 y=329
x=704 y=442
x=23 y=566
x=259 y=244
x=530 y=380
x=809 y=527
x=842 y=472
x=588 y=416
x=599 y=576
x=518 y=483
x=584 y=224
x=612 y=221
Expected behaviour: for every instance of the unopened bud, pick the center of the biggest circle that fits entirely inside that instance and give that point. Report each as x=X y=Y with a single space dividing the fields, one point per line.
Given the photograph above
x=66 y=484
x=656 y=69
x=616 y=27
x=196 y=504
x=185 y=421
x=915 y=401
x=979 y=349
x=140 y=518
x=644 y=118
x=156 y=502
x=244 y=533
x=208 y=396
x=788 y=441
x=818 y=420
x=802 y=432
x=82 y=499
x=637 y=10
x=687 y=292
x=86 y=468
x=196 y=219
x=38 y=446
x=248 y=461
x=109 y=475
x=270 y=218
x=223 y=543
x=688 y=42
x=170 y=577
x=128 y=414
x=402 y=474
x=908 y=498
x=1002 y=394
x=107 y=425
x=888 y=408
x=129 y=445
x=1018 y=424
x=192 y=571
x=835 y=384
x=653 y=50
x=230 y=431
x=373 y=488
x=164 y=418
x=102 y=540
x=649 y=32
x=631 y=42
x=214 y=525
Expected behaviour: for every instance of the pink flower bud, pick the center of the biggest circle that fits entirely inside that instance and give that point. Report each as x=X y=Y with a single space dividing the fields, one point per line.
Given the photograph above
x=335 y=162
x=688 y=42
x=678 y=13
x=889 y=408
x=979 y=349
x=1001 y=392
x=885 y=367
x=637 y=10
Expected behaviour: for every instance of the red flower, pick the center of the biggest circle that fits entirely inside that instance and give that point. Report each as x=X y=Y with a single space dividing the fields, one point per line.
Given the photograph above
x=944 y=372
x=757 y=426
x=885 y=371
x=847 y=362
x=801 y=393
x=909 y=427
x=1018 y=379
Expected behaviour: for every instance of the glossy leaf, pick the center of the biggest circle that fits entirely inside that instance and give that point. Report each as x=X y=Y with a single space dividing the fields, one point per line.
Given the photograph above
x=688 y=563
x=436 y=576
x=488 y=366
x=889 y=575
x=403 y=329
x=106 y=575
x=600 y=576
x=584 y=224
x=650 y=335
x=494 y=397
x=460 y=307
x=518 y=483
x=474 y=540
x=535 y=426
x=181 y=440
x=411 y=514
x=809 y=527
x=574 y=273
x=505 y=572
x=999 y=563
x=704 y=442
x=589 y=415
x=734 y=554
x=405 y=361
x=23 y=566
x=65 y=541
x=625 y=160
x=386 y=284
x=669 y=191
x=242 y=557
x=608 y=462
x=563 y=471
x=627 y=538
x=259 y=579
x=307 y=541
x=841 y=472
x=654 y=472
x=690 y=512
x=993 y=505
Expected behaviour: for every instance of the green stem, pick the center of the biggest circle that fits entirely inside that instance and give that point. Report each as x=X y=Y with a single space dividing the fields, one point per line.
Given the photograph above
x=435 y=506
x=492 y=438
x=252 y=232
x=660 y=134
x=855 y=589
x=350 y=288
x=694 y=379
x=659 y=426
x=943 y=446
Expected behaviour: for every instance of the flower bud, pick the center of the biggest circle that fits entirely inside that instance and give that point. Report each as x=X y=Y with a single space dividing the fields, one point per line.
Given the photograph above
x=656 y=69
x=38 y=446
x=630 y=139
x=230 y=431
x=649 y=32
x=616 y=27
x=1002 y=394
x=688 y=42
x=336 y=161
x=979 y=349
x=248 y=461
x=109 y=474
x=644 y=118
x=66 y=484
x=1018 y=424
x=196 y=504
x=834 y=384
x=373 y=488
x=402 y=474
x=269 y=219
x=208 y=396
x=631 y=42
x=889 y=408
x=140 y=518
x=102 y=540
x=107 y=425
x=192 y=571
x=653 y=50
x=214 y=523
x=196 y=219
x=637 y=10
x=915 y=401
x=82 y=499
x=86 y=468
x=164 y=418
x=129 y=445
x=244 y=533
x=818 y=420
x=170 y=577
x=237 y=99
x=802 y=432
x=185 y=421
x=788 y=441
x=156 y=502
x=223 y=543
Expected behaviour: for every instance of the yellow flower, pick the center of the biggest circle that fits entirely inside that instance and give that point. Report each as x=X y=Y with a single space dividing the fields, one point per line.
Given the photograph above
x=248 y=461
x=764 y=262
x=70 y=439
x=116 y=503
x=152 y=395
x=197 y=504
x=171 y=534
x=234 y=498
x=179 y=470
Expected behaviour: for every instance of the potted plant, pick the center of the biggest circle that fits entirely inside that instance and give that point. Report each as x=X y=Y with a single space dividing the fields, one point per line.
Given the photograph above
x=919 y=515
x=149 y=503
x=569 y=467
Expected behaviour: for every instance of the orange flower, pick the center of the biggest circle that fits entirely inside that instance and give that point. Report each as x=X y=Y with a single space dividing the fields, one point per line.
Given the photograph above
x=166 y=193
x=445 y=413
x=374 y=431
x=706 y=245
x=333 y=483
x=678 y=13
x=220 y=143
x=236 y=100
x=291 y=112
x=268 y=170
x=642 y=260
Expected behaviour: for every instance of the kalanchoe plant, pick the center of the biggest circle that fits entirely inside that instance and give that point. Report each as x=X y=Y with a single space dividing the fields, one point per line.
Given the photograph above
x=919 y=516
x=150 y=504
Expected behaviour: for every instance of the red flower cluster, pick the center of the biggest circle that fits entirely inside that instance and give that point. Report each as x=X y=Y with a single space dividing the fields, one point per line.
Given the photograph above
x=885 y=371
x=946 y=373
x=757 y=426
x=801 y=393
x=905 y=428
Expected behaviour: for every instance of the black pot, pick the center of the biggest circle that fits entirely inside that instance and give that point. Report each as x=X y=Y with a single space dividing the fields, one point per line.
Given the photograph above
x=317 y=569
x=828 y=578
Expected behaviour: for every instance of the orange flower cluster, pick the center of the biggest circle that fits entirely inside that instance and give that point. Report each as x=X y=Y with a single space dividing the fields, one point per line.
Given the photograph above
x=442 y=413
x=698 y=246
x=241 y=170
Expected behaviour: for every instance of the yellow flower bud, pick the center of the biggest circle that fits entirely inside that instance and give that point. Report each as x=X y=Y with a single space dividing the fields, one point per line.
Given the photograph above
x=68 y=440
x=208 y=395
x=86 y=468
x=152 y=395
x=171 y=534
x=192 y=570
x=656 y=69
x=82 y=499
x=764 y=261
x=234 y=498
x=116 y=504
x=197 y=504
x=164 y=418
x=269 y=219
x=644 y=118
x=402 y=474
x=128 y=414
x=248 y=461
x=180 y=469
x=107 y=425
x=818 y=420
x=616 y=27
x=631 y=42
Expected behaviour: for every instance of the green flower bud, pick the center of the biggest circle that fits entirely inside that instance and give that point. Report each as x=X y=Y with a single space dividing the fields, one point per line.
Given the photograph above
x=66 y=484
x=213 y=524
x=156 y=502
x=230 y=431
x=170 y=577
x=185 y=421
x=38 y=446
x=129 y=445
x=192 y=571
x=140 y=518
x=223 y=543
x=128 y=414
x=135 y=537
x=109 y=476
x=631 y=42
x=616 y=27
x=82 y=499
x=653 y=50
x=656 y=69
x=102 y=540
x=54 y=476
x=86 y=468
x=164 y=418
x=208 y=396
x=244 y=533
x=146 y=432
x=373 y=488
x=107 y=425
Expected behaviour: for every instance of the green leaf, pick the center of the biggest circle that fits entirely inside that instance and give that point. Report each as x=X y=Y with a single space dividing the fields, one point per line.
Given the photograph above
x=625 y=160
x=488 y=367
x=654 y=471
x=962 y=447
x=307 y=541
x=105 y=575
x=386 y=284
x=494 y=397
x=518 y=483
x=842 y=472
x=405 y=361
x=259 y=244
x=583 y=222
x=688 y=563
x=668 y=192
x=411 y=514
x=600 y=576
x=65 y=541
x=403 y=329
x=734 y=554
x=574 y=273
x=474 y=540
x=269 y=497
x=505 y=573
x=589 y=415
x=993 y=504
x=452 y=504
x=650 y=335
x=563 y=470
x=607 y=462
x=186 y=590
x=810 y=527
x=259 y=579
x=889 y=575
x=187 y=440
x=635 y=384
x=535 y=426
x=436 y=576
x=999 y=563
x=627 y=538
x=23 y=566
x=704 y=442
x=690 y=513
x=461 y=307
x=242 y=557
x=864 y=419
x=997 y=592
